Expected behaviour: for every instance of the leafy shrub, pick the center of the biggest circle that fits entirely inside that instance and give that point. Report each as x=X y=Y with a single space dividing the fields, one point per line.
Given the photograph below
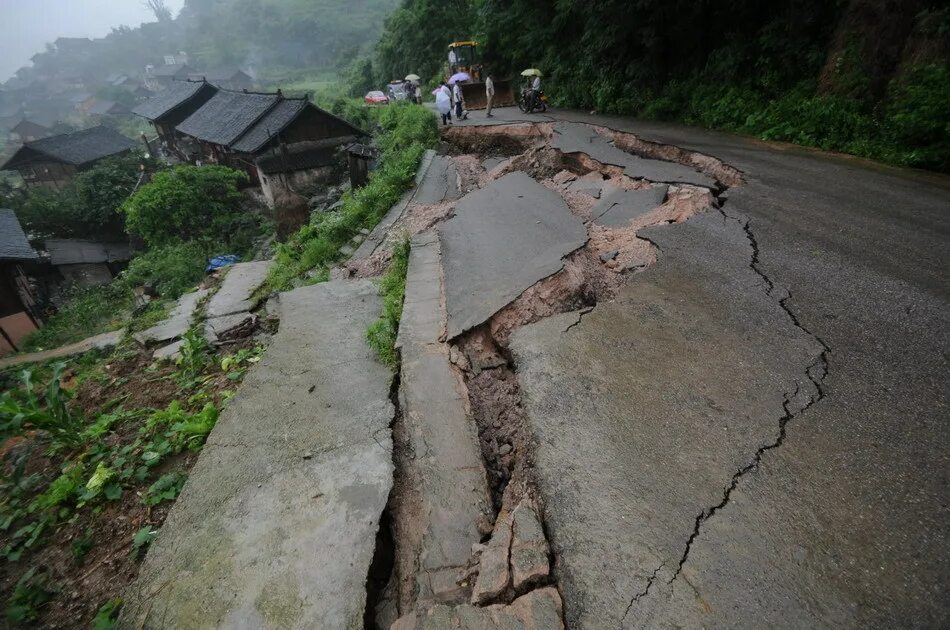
x=381 y=334
x=171 y=269
x=64 y=488
x=107 y=614
x=187 y=203
x=166 y=488
x=918 y=117
x=88 y=207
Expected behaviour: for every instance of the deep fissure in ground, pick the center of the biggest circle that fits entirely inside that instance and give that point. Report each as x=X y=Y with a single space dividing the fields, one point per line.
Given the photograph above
x=593 y=273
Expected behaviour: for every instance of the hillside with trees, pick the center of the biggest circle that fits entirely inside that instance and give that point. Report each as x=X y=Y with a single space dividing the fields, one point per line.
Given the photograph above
x=858 y=76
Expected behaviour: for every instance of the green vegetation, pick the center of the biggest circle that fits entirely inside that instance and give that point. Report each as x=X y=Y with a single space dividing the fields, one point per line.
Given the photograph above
x=187 y=203
x=407 y=131
x=871 y=79
x=381 y=334
x=187 y=214
x=86 y=312
x=32 y=592
x=87 y=207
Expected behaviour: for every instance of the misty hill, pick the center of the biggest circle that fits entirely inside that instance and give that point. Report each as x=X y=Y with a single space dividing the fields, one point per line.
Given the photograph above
x=269 y=37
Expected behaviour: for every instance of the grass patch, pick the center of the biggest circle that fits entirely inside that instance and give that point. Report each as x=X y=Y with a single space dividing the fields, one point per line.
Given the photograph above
x=381 y=334
x=85 y=313
x=407 y=131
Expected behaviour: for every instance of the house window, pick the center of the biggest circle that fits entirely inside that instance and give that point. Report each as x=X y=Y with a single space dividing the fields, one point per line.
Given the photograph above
x=28 y=173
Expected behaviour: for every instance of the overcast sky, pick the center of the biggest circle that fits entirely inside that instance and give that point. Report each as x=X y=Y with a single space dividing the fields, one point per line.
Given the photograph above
x=27 y=25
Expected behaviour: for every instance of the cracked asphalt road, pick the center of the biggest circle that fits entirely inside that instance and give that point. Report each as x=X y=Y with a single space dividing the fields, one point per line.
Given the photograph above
x=844 y=522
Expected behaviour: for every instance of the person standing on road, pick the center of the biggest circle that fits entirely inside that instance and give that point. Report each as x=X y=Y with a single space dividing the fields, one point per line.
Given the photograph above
x=417 y=90
x=443 y=103
x=535 y=92
x=459 y=101
x=489 y=93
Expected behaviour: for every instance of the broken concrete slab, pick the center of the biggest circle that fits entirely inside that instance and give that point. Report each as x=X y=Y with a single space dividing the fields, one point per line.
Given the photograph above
x=579 y=138
x=236 y=292
x=170 y=352
x=529 y=547
x=618 y=208
x=452 y=488
x=489 y=163
x=538 y=610
x=178 y=321
x=503 y=239
x=440 y=182
x=494 y=573
x=227 y=327
x=98 y=342
x=276 y=526
x=678 y=383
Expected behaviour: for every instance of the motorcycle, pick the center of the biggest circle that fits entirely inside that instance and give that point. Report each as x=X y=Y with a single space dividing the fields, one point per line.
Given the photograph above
x=539 y=104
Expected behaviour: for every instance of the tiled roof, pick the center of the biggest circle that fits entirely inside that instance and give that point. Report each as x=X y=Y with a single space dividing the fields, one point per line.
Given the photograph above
x=170 y=70
x=13 y=243
x=227 y=116
x=76 y=148
x=175 y=94
x=283 y=113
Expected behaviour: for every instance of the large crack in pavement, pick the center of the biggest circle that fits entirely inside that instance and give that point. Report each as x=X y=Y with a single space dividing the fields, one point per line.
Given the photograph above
x=801 y=397
x=610 y=200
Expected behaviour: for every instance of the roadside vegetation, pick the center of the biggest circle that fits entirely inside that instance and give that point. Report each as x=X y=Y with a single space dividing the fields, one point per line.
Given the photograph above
x=866 y=78
x=381 y=334
x=406 y=131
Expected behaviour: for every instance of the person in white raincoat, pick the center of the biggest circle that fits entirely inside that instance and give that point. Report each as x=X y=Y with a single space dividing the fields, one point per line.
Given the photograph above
x=443 y=103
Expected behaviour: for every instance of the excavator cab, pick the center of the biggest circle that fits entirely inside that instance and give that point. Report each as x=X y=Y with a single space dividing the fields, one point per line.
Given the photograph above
x=464 y=57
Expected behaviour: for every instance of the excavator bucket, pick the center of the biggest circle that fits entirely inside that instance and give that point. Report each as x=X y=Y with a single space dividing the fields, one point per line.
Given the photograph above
x=474 y=95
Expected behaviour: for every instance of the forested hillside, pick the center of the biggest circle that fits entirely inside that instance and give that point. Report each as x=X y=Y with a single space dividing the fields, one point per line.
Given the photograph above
x=860 y=76
x=268 y=37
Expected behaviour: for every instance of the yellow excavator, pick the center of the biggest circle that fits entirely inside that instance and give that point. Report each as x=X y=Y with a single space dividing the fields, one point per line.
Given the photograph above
x=463 y=57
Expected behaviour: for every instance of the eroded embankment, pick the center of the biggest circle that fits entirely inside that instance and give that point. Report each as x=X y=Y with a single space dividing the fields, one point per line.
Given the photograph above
x=511 y=569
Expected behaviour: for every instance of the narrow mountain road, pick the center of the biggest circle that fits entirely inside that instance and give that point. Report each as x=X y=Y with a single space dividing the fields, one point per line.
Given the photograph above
x=759 y=420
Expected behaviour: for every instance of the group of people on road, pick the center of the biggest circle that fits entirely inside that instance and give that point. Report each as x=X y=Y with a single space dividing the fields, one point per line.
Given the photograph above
x=449 y=99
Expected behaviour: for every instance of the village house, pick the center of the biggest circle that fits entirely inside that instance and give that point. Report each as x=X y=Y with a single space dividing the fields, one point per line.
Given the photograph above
x=227 y=78
x=159 y=77
x=86 y=263
x=170 y=107
x=51 y=162
x=236 y=128
x=27 y=131
x=16 y=302
x=106 y=109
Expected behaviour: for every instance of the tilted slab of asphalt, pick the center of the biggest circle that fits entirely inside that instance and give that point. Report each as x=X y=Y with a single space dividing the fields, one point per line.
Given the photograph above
x=98 y=342
x=503 y=238
x=178 y=322
x=235 y=293
x=577 y=138
x=452 y=492
x=277 y=523
x=619 y=207
x=643 y=410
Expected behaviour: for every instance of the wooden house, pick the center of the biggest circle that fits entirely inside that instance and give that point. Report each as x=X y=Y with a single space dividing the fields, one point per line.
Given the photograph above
x=51 y=162
x=158 y=77
x=228 y=78
x=86 y=263
x=171 y=106
x=16 y=302
x=235 y=128
x=28 y=131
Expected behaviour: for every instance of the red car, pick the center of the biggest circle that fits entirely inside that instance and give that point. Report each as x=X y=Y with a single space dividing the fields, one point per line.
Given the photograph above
x=376 y=98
